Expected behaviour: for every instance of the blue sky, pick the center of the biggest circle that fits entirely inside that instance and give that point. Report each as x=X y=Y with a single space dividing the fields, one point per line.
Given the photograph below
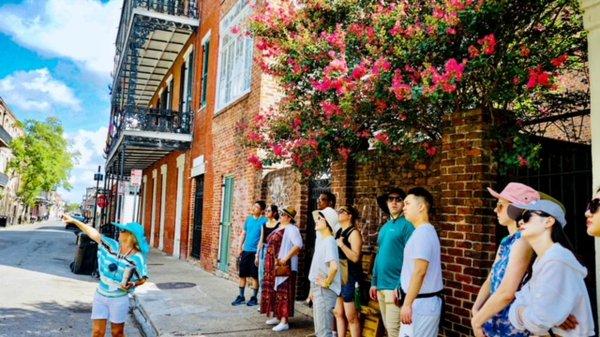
x=56 y=57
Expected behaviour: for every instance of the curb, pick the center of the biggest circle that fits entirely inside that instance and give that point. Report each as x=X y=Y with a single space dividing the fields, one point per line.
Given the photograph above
x=141 y=318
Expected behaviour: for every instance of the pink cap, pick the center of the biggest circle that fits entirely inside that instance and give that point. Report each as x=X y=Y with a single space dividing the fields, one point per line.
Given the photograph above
x=517 y=193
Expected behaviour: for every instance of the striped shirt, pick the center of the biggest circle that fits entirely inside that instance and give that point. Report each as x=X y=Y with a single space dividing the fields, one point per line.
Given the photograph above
x=111 y=277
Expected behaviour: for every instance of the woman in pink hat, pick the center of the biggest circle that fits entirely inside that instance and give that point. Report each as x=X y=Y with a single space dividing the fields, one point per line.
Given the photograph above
x=490 y=310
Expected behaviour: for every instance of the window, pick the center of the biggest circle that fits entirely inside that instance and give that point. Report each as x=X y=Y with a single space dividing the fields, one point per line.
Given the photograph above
x=185 y=85
x=205 y=56
x=235 y=56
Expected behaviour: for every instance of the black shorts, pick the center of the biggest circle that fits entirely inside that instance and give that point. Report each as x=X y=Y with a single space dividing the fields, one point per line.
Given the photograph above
x=247 y=266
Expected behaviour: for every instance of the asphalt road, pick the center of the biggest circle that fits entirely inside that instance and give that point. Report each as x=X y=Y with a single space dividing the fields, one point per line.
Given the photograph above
x=39 y=296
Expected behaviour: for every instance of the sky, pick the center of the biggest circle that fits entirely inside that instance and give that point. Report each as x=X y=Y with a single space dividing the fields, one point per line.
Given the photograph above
x=56 y=58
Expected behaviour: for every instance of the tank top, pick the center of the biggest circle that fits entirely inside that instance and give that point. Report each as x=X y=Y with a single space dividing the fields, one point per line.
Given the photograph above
x=267 y=231
x=354 y=268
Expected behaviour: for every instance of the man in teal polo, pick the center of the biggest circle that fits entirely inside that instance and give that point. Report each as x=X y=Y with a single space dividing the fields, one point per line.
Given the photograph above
x=391 y=240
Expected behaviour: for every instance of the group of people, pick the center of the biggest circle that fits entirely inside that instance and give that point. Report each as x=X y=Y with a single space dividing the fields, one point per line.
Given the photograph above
x=535 y=286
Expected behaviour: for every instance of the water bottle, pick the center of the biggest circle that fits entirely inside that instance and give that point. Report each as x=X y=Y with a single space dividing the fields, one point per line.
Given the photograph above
x=357 y=295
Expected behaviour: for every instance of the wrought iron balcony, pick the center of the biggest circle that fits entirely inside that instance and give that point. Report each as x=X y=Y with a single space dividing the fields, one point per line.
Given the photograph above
x=5 y=137
x=152 y=33
x=144 y=135
x=3 y=179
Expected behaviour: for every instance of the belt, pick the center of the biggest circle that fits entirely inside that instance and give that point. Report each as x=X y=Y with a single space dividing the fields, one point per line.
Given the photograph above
x=439 y=294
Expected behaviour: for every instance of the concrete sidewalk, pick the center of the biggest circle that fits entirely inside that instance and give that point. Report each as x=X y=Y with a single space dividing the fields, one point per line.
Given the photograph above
x=183 y=300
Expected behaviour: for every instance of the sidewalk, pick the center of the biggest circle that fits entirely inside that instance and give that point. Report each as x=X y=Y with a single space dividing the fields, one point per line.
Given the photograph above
x=183 y=300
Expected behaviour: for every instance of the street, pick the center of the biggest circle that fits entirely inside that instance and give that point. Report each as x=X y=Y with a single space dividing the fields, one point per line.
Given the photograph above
x=39 y=296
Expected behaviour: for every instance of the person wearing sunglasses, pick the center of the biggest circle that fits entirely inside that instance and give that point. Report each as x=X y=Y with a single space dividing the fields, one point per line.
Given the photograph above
x=592 y=215
x=556 y=288
x=325 y=281
x=490 y=310
x=387 y=268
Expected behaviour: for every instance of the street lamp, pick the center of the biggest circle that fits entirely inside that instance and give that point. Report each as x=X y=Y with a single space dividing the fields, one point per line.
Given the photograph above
x=97 y=178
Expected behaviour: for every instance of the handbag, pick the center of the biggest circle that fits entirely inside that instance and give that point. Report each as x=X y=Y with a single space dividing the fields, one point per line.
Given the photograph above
x=283 y=270
x=344 y=271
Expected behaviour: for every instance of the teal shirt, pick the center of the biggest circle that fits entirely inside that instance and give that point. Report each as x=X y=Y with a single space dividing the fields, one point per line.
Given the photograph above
x=391 y=240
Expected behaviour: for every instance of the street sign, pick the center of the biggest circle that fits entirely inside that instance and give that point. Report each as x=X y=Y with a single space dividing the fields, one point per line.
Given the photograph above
x=136 y=178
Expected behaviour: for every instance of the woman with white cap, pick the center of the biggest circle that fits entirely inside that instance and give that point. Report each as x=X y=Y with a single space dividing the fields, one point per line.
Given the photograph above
x=325 y=281
x=122 y=267
x=556 y=288
x=490 y=310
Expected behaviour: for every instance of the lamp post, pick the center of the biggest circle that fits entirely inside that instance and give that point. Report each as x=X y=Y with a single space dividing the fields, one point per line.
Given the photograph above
x=98 y=178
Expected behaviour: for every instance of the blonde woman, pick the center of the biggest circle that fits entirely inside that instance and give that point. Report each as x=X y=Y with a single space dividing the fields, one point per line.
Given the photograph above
x=122 y=267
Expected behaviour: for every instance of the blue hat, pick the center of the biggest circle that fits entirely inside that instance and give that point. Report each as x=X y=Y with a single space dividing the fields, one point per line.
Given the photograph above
x=138 y=231
x=547 y=206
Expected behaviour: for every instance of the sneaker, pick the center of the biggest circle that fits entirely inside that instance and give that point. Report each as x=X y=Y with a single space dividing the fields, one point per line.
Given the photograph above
x=253 y=301
x=281 y=327
x=272 y=321
x=239 y=300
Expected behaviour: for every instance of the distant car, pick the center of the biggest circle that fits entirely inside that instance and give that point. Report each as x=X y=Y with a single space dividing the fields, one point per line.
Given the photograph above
x=76 y=216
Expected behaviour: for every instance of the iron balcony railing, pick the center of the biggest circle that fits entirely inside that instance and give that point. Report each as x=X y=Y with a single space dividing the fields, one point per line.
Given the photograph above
x=5 y=137
x=183 y=8
x=149 y=119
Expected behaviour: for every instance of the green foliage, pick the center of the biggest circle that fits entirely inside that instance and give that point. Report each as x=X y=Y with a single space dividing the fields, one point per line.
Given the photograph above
x=42 y=159
x=72 y=207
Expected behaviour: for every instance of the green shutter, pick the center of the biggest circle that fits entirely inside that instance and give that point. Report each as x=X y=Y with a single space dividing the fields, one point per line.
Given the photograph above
x=226 y=224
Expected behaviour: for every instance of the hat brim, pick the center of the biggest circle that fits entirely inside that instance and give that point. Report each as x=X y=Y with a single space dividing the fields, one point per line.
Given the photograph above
x=514 y=212
x=495 y=194
x=139 y=237
x=382 y=203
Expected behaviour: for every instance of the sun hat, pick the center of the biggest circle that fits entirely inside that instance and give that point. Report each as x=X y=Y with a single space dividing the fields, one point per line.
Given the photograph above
x=549 y=207
x=382 y=199
x=138 y=232
x=330 y=216
x=517 y=193
x=290 y=210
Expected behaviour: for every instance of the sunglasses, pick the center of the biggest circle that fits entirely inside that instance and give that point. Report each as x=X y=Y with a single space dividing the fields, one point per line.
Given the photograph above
x=526 y=215
x=394 y=198
x=593 y=205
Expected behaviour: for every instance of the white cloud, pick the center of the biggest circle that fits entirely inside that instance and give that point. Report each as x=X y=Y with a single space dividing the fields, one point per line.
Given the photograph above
x=37 y=90
x=90 y=145
x=82 y=30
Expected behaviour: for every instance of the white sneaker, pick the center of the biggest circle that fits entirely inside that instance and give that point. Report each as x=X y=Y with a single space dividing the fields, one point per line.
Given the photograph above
x=281 y=327
x=272 y=321
x=334 y=334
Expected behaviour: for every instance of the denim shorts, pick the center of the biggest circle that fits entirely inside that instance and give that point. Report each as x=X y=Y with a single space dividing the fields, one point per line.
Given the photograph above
x=348 y=290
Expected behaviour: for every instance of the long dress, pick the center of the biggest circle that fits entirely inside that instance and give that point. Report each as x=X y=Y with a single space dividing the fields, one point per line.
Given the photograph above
x=280 y=301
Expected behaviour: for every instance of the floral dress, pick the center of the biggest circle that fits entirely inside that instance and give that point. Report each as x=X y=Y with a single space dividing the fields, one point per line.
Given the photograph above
x=499 y=325
x=280 y=301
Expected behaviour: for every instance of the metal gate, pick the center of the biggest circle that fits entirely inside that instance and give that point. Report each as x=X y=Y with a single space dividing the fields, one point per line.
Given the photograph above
x=566 y=174
x=197 y=231
x=316 y=188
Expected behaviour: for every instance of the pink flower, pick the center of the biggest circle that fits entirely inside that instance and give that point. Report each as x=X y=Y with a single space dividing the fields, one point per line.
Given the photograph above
x=235 y=30
x=330 y=109
x=382 y=137
x=278 y=150
x=401 y=90
x=523 y=162
x=397 y=29
x=454 y=69
x=451 y=31
x=538 y=77
x=297 y=123
x=516 y=80
x=380 y=66
x=559 y=61
x=344 y=152
x=359 y=71
x=255 y=161
x=432 y=151
x=488 y=43
x=473 y=52
x=254 y=137
x=524 y=51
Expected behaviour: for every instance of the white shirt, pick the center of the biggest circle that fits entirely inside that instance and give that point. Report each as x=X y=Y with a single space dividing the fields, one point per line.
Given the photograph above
x=326 y=251
x=291 y=238
x=424 y=244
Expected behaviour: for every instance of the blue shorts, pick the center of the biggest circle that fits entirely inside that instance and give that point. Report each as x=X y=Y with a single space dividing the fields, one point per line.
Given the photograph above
x=348 y=290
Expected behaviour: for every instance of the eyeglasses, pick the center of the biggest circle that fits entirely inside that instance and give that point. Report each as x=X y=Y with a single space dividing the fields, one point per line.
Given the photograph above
x=526 y=215
x=394 y=198
x=593 y=205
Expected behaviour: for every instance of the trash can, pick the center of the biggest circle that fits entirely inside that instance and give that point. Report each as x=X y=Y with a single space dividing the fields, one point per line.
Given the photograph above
x=3 y=221
x=85 y=255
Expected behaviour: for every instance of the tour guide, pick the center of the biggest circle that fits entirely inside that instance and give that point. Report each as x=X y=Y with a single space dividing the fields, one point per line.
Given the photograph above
x=122 y=267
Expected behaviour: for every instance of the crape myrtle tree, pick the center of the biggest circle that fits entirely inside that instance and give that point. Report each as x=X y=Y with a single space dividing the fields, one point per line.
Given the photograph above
x=367 y=79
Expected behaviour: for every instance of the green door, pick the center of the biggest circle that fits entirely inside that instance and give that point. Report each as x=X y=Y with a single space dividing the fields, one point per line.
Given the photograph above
x=226 y=224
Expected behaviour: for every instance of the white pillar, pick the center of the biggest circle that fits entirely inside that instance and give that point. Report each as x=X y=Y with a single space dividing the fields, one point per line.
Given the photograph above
x=143 y=201
x=179 y=206
x=591 y=22
x=163 y=201
x=153 y=223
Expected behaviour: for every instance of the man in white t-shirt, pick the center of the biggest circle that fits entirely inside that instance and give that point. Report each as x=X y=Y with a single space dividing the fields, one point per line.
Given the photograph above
x=421 y=277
